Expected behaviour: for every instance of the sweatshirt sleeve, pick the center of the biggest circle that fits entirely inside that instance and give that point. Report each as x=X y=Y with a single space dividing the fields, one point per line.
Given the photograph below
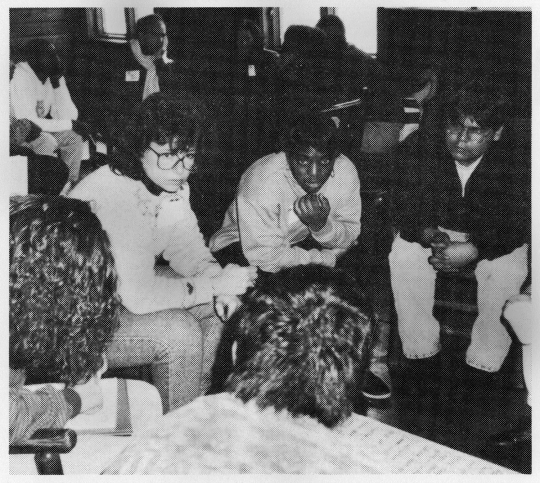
x=265 y=244
x=24 y=104
x=62 y=106
x=30 y=411
x=343 y=225
x=186 y=251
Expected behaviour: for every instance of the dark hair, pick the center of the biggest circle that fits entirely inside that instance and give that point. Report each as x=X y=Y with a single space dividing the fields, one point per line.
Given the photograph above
x=37 y=48
x=254 y=30
x=307 y=41
x=482 y=100
x=332 y=21
x=302 y=336
x=62 y=288
x=146 y=22
x=310 y=129
x=157 y=119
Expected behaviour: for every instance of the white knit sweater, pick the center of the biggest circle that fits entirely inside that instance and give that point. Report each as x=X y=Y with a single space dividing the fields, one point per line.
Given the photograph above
x=141 y=227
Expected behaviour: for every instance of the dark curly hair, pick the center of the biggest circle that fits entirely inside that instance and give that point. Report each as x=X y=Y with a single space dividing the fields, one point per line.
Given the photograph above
x=310 y=129
x=482 y=99
x=157 y=119
x=62 y=288
x=302 y=339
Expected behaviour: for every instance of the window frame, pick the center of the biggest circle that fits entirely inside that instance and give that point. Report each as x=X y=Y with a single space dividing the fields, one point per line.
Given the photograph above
x=97 y=31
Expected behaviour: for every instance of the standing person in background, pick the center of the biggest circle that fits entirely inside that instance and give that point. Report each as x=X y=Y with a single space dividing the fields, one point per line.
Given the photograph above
x=142 y=200
x=38 y=92
x=352 y=68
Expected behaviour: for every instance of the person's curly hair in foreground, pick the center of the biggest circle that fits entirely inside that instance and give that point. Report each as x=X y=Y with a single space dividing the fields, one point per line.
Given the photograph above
x=62 y=289
x=301 y=341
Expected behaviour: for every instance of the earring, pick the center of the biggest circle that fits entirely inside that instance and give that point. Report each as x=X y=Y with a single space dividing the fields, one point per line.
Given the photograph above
x=332 y=174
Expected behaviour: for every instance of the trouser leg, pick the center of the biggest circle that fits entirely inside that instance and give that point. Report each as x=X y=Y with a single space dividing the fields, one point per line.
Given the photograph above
x=45 y=144
x=413 y=285
x=171 y=342
x=519 y=314
x=211 y=328
x=498 y=280
x=71 y=151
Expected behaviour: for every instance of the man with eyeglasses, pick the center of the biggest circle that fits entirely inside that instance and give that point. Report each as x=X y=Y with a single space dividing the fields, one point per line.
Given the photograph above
x=469 y=211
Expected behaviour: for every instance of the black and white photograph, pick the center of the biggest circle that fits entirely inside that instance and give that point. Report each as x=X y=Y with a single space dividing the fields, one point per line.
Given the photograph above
x=269 y=240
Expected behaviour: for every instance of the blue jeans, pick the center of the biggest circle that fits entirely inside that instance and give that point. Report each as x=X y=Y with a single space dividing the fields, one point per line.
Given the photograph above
x=178 y=344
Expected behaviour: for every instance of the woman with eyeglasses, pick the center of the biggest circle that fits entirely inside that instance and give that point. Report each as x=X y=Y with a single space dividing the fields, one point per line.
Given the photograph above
x=142 y=200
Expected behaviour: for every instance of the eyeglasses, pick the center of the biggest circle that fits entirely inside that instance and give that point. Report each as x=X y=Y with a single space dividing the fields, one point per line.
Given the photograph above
x=168 y=161
x=475 y=134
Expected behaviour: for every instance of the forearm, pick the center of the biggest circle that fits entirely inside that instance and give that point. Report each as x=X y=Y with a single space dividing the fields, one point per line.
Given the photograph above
x=157 y=292
x=338 y=234
x=45 y=408
x=273 y=258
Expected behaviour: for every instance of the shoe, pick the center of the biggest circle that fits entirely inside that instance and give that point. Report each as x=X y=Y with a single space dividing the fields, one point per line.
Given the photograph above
x=519 y=434
x=375 y=388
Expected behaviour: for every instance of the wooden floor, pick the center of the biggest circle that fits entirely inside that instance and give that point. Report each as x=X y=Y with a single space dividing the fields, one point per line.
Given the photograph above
x=460 y=414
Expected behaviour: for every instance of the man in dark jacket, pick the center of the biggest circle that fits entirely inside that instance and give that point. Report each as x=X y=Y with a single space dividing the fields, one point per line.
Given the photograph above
x=470 y=209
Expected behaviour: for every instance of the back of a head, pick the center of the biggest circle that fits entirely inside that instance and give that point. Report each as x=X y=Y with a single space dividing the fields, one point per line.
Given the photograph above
x=302 y=337
x=62 y=287
x=483 y=100
x=309 y=129
x=303 y=40
x=333 y=27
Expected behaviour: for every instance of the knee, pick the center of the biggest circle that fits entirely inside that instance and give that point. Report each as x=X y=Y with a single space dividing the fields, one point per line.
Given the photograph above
x=179 y=330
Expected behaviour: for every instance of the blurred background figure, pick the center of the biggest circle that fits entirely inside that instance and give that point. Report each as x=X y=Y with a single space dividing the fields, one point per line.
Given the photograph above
x=38 y=92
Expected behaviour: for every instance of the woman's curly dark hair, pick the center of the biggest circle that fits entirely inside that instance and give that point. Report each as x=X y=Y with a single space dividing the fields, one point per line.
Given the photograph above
x=302 y=339
x=157 y=119
x=62 y=287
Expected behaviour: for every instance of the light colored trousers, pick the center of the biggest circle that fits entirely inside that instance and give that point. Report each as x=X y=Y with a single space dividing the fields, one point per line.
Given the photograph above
x=69 y=143
x=413 y=285
x=518 y=313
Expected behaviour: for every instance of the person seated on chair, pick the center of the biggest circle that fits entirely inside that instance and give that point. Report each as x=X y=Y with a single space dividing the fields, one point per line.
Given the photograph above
x=518 y=312
x=466 y=213
x=149 y=50
x=142 y=199
x=62 y=312
x=300 y=343
x=299 y=206
x=46 y=174
x=38 y=93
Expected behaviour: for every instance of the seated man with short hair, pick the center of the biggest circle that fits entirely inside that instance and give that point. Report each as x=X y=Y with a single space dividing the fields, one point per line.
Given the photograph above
x=38 y=93
x=469 y=211
x=149 y=49
x=300 y=343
